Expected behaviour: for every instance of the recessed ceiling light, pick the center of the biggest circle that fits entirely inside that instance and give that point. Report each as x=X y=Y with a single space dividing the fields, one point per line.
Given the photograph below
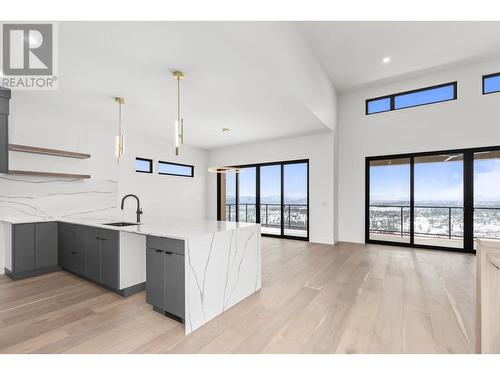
x=226 y=130
x=386 y=60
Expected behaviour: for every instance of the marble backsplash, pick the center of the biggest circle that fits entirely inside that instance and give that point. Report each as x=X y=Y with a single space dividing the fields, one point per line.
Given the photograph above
x=40 y=198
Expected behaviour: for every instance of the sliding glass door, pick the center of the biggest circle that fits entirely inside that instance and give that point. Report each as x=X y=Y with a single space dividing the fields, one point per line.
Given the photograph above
x=437 y=200
x=295 y=208
x=276 y=195
x=487 y=194
x=390 y=200
x=270 y=199
x=247 y=197
x=230 y=196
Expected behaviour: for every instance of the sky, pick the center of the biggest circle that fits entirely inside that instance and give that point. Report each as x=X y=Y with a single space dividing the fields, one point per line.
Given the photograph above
x=295 y=184
x=435 y=182
x=434 y=95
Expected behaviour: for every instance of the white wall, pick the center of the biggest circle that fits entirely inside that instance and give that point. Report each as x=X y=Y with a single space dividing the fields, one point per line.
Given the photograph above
x=470 y=121
x=39 y=119
x=47 y=119
x=163 y=195
x=88 y=125
x=318 y=148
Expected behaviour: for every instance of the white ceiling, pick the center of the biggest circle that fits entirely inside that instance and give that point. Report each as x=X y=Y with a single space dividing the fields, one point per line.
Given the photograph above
x=352 y=52
x=237 y=77
x=263 y=80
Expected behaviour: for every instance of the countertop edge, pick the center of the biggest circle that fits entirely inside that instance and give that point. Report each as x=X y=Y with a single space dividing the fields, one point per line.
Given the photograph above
x=127 y=229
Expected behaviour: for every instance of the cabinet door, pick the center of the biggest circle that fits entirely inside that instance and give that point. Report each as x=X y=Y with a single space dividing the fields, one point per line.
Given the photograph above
x=75 y=252
x=174 y=284
x=67 y=246
x=155 y=278
x=64 y=240
x=24 y=247
x=46 y=245
x=109 y=262
x=4 y=139
x=92 y=248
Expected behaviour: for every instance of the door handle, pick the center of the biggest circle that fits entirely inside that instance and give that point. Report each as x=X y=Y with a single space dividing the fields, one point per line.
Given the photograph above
x=73 y=252
x=159 y=251
x=168 y=252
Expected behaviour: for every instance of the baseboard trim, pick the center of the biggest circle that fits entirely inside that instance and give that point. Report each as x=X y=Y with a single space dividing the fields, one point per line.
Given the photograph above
x=121 y=292
x=168 y=315
x=26 y=274
x=132 y=290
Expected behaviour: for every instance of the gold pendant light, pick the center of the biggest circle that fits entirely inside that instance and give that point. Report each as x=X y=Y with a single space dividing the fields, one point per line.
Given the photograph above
x=179 y=123
x=120 y=139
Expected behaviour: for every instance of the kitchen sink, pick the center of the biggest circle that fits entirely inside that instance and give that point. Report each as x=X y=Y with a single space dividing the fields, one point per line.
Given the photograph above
x=121 y=224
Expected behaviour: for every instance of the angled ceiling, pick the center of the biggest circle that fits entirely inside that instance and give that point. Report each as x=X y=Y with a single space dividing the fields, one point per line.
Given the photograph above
x=352 y=52
x=260 y=80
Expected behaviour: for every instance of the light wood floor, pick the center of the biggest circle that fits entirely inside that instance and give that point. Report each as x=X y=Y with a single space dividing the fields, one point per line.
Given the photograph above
x=347 y=298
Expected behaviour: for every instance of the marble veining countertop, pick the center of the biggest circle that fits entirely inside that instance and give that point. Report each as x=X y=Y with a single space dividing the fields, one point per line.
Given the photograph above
x=162 y=227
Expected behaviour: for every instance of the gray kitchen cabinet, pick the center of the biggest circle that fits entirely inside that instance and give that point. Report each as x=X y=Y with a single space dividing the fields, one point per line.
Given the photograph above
x=92 y=248
x=46 y=245
x=72 y=252
x=4 y=130
x=23 y=247
x=165 y=276
x=174 y=284
x=110 y=261
x=90 y=252
x=34 y=249
x=65 y=238
x=155 y=278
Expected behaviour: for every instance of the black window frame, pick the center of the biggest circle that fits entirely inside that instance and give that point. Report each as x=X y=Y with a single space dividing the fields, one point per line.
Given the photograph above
x=468 y=186
x=150 y=165
x=175 y=174
x=258 y=198
x=486 y=77
x=392 y=97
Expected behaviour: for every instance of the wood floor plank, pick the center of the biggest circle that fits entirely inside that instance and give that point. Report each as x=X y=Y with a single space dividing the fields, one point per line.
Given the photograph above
x=347 y=298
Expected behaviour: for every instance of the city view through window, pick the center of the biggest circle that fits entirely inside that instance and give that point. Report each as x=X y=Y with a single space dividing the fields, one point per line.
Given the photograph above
x=293 y=212
x=438 y=199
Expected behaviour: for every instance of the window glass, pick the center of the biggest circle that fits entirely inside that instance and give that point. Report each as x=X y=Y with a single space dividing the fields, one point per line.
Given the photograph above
x=175 y=169
x=428 y=96
x=143 y=165
x=379 y=105
x=491 y=84
x=415 y=98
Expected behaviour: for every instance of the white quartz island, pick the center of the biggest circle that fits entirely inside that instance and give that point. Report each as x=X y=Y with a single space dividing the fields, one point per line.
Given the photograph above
x=222 y=260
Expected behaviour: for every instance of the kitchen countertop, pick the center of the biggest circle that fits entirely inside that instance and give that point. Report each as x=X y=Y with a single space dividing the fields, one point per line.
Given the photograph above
x=182 y=229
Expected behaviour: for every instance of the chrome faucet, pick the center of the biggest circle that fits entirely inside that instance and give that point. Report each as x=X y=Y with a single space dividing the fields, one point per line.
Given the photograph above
x=139 y=211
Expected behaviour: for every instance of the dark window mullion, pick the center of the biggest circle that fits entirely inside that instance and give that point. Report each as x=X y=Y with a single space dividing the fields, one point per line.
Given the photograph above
x=468 y=201
x=257 y=194
x=392 y=98
x=237 y=198
x=282 y=200
x=219 y=200
x=367 y=200
x=412 y=200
